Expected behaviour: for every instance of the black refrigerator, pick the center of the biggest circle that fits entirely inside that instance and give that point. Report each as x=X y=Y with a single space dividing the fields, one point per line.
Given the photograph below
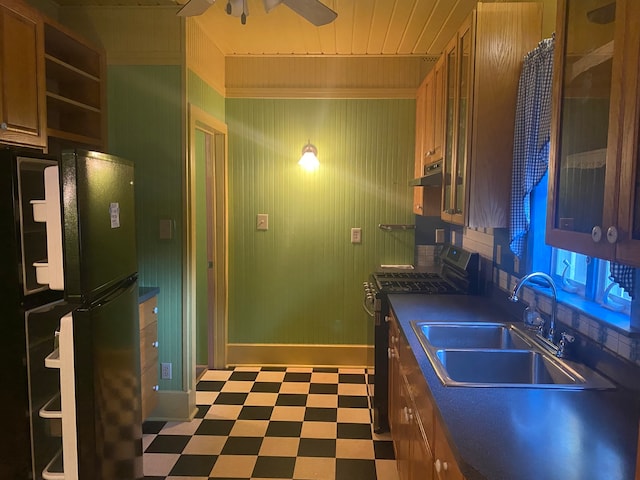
x=70 y=297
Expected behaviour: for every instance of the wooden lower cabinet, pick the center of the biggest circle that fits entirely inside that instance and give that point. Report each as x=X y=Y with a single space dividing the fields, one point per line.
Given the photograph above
x=148 y=311
x=421 y=448
x=445 y=466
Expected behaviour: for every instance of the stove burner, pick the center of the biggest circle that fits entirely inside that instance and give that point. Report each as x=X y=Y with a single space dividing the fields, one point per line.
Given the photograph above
x=434 y=286
x=410 y=275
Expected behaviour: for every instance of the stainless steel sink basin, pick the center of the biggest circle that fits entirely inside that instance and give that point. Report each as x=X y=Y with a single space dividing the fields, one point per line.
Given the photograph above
x=504 y=367
x=471 y=335
x=494 y=354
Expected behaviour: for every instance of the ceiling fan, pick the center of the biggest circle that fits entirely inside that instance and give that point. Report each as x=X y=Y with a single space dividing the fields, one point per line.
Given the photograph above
x=312 y=10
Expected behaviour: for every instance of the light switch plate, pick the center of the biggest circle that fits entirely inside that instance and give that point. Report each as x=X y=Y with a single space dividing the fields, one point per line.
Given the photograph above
x=262 y=221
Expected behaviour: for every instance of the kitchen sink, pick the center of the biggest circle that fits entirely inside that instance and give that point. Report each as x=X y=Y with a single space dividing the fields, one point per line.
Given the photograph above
x=472 y=335
x=494 y=354
x=504 y=367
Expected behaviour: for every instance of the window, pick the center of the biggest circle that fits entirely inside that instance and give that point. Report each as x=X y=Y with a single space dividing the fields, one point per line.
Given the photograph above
x=611 y=295
x=570 y=270
x=574 y=273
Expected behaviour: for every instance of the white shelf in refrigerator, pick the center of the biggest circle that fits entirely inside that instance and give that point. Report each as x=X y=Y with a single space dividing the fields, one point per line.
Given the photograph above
x=50 y=271
x=48 y=473
x=53 y=359
x=52 y=409
x=39 y=210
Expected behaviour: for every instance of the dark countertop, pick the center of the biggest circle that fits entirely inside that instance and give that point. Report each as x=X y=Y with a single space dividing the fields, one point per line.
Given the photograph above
x=145 y=293
x=524 y=433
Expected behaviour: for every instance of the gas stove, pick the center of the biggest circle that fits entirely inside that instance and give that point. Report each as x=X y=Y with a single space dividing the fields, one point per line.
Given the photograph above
x=457 y=273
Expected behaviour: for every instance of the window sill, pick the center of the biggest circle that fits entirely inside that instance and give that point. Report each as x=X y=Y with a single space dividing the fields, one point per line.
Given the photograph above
x=617 y=321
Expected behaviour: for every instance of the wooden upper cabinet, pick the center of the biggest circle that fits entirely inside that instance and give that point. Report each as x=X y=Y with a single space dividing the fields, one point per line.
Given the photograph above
x=75 y=90
x=594 y=207
x=22 y=104
x=481 y=74
x=429 y=128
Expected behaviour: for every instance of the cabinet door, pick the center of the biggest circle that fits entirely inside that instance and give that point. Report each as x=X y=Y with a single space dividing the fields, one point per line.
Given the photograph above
x=22 y=114
x=445 y=465
x=458 y=103
x=421 y=100
x=450 y=137
x=421 y=457
x=428 y=146
x=585 y=151
x=628 y=246
x=438 y=109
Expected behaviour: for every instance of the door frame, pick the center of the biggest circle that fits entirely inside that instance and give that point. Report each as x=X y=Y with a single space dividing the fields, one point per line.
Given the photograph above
x=216 y=151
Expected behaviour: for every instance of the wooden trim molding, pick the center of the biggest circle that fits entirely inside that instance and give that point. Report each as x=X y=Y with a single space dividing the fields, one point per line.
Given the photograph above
x=258 y=92
x=300 y=355
x=175 y=405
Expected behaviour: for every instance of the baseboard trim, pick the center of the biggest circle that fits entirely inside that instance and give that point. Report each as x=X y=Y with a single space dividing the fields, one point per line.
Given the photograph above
x=300 y=355
x=175 y=406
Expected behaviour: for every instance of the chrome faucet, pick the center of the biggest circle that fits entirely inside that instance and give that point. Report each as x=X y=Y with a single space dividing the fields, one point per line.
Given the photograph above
x=554 y=301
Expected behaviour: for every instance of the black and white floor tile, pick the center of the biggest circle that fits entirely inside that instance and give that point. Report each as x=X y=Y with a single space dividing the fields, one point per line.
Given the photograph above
x=273 y=423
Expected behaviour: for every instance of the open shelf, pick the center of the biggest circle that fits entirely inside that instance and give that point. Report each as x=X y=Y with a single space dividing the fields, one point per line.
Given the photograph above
x=74 y=90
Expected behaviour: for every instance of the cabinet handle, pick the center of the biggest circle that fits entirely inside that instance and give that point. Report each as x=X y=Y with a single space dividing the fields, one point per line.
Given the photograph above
x=387 y=319
x=596 y=233
x=155 y=310
x=4 y=126
x=430 y=153
x=418 y=206
x=612 y=234
x=155 y=388
x=441 y=466
x=155 y=344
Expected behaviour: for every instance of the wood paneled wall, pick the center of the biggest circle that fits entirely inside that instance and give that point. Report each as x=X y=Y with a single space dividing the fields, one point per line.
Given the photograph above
x=300 y=282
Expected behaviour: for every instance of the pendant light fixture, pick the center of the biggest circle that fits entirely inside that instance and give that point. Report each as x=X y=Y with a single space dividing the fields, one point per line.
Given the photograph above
x=309 y=160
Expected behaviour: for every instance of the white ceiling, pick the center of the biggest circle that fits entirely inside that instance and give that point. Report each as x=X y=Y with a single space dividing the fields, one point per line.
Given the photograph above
x=363 y=27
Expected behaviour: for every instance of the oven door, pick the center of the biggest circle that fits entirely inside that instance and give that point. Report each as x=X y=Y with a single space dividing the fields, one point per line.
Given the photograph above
x=377 y=307
x=380 y=402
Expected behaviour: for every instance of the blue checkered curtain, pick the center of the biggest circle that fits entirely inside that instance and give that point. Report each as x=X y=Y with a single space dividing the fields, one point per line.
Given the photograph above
x=531 y=137
x=624 y=276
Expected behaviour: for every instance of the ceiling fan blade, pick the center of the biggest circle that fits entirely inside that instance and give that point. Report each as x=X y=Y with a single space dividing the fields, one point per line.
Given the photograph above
x=194 y=8
x=238 y=7
x=312 y=10
x=270 y=4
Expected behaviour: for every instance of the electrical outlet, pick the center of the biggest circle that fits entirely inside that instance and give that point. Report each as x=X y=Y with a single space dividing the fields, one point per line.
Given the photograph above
x=165 y=371
x=356 y=235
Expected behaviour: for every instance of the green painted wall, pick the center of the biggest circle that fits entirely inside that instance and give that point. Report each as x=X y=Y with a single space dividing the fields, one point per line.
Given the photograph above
x=301 y=281
x=145 y=125
x=203 y=96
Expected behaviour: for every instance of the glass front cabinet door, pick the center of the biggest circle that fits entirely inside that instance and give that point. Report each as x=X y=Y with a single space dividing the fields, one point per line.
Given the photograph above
x=594 y=133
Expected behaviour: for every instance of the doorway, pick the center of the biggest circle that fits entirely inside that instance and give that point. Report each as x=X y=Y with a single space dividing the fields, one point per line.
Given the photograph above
x=207 y=244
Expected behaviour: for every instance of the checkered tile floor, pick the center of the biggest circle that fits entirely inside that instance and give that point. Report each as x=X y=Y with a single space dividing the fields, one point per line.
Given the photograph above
x=273 y=423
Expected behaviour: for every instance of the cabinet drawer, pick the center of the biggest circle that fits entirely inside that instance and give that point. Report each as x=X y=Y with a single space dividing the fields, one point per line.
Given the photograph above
x=148 y=346
x=148 y=312
x=149 y=382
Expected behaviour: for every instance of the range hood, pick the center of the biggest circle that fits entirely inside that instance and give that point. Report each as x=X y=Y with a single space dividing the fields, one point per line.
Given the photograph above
x=432 y=176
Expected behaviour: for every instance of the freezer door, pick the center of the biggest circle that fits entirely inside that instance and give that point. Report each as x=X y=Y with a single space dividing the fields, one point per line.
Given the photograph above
x=107 y=387
x=99 y=223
